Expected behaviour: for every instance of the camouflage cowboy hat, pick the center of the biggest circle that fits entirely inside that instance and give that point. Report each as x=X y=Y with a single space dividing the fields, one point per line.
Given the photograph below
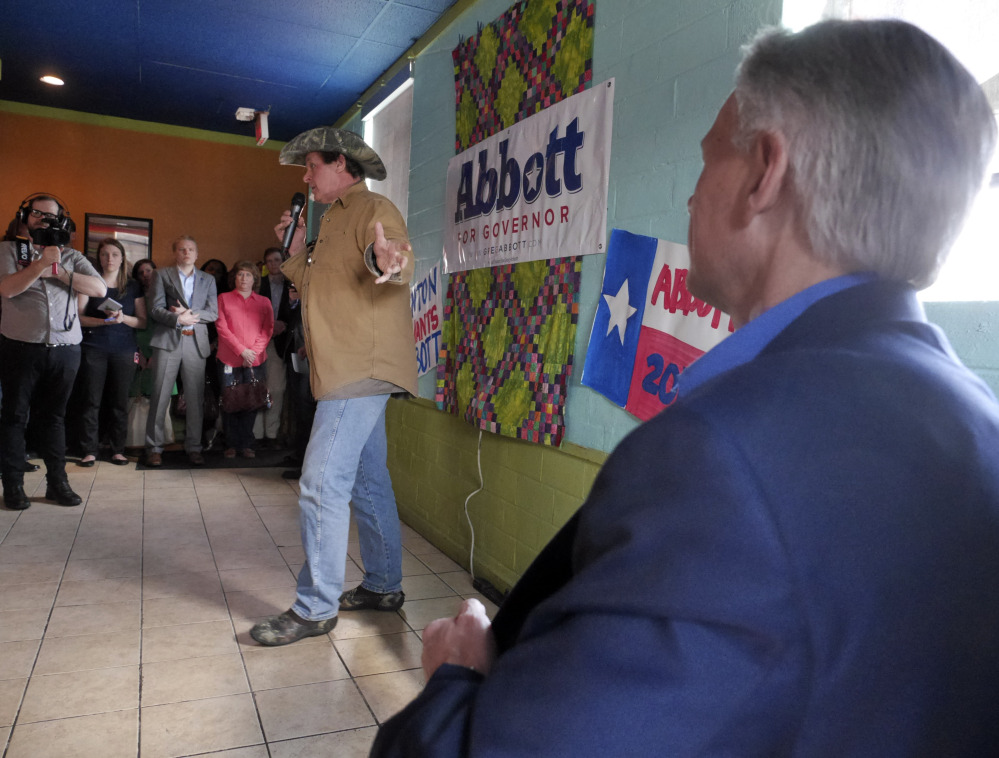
x=324 y=139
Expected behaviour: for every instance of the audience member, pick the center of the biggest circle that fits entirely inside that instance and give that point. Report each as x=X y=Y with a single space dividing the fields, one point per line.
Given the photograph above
x=274 y=287
x=109 y=353
x=798 y=557
x=359 y=339
x=220 y=272
x=183 y=302
x=143 y=271
x=142 y=384
x=212 y=422
x=245 y=325
x=298 y=393
x=40 y=275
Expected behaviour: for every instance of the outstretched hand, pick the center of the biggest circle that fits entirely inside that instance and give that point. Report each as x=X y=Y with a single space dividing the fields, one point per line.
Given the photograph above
x=389 y=254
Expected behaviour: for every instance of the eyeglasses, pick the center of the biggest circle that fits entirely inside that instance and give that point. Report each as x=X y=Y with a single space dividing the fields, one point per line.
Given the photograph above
x=42 y=214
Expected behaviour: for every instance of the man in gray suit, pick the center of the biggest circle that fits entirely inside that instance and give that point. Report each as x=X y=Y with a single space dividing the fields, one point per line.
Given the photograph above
x=181 y=303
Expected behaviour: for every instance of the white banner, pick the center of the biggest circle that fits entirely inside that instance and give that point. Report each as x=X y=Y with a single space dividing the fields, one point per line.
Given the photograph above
x=428 y=315
x=535 y=191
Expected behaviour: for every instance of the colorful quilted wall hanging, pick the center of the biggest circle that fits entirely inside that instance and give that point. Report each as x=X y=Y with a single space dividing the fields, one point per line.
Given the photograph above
x=508 y=340
x=509 y=332
x=535 y=54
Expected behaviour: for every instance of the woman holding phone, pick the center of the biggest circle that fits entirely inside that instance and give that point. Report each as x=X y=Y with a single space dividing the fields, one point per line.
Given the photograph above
x=108 y=358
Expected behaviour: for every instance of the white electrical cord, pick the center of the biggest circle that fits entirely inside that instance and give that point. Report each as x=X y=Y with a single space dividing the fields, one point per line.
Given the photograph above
x=471 y=552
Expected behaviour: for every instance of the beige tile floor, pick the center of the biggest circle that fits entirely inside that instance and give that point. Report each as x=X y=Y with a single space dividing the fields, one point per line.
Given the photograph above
x=124 y=624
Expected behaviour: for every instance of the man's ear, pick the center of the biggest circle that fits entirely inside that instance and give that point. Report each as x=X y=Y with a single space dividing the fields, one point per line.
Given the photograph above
x=771 y=159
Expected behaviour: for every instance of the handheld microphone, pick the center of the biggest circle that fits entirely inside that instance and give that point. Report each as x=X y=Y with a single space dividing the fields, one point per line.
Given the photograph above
x=297 y=205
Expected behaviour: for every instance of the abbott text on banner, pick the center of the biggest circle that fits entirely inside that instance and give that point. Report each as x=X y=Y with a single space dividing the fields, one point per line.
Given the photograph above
x=535 y=191
x=648 y=327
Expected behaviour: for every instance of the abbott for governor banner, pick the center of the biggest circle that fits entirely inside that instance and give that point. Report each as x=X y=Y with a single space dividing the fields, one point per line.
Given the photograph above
x=535 y=191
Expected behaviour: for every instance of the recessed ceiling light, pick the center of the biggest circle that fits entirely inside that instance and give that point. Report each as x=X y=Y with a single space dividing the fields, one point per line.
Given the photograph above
x=53 y=80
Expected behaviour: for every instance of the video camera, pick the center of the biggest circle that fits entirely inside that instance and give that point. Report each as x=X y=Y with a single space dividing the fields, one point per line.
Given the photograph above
x=56 y=231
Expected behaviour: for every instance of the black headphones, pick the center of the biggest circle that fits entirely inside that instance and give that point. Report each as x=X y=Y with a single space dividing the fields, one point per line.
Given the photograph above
x=24 y=210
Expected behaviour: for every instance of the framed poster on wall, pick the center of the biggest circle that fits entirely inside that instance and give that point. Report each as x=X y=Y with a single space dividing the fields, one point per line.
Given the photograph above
x=135 y=234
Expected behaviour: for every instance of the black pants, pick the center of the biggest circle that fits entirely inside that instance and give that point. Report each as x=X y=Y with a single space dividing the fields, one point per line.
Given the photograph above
x=27 y=371
x=238 y=427
x=298 y=397
x=105 y=379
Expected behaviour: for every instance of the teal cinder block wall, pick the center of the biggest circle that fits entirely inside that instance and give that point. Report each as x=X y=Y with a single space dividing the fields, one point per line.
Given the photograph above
x=674 y=63
x=973 y=331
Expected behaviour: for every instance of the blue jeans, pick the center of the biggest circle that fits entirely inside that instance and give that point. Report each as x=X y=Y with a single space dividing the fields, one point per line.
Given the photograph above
x=344 y=463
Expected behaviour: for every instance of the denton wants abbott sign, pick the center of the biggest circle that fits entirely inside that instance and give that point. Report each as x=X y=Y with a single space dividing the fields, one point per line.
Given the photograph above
x=535 y=191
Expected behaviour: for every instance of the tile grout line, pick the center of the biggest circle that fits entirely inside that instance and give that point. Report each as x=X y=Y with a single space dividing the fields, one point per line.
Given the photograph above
x=142 y=631
x=48 y=619
x=232 y=623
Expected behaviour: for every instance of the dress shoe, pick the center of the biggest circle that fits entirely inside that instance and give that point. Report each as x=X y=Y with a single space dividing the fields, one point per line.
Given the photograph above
x=361 y=599
x=60 y=491
x=196 y=458
x=292 y=473
x=248 y=452
x=289 y=627
x=154 y=459
x=86 y=464
x=29 y=467
x=14 y=497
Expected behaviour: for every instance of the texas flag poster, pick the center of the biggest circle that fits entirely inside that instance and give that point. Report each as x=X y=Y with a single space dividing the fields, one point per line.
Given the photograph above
x=648 y=327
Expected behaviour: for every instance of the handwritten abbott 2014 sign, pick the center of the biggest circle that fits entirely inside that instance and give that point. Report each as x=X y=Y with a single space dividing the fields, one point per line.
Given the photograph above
x=425 y=300
x=648 y=327
x=535 y=191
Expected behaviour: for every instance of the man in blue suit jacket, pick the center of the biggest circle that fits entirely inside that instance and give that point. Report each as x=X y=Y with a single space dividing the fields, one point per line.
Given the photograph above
x=800 y=556
x=181 y=302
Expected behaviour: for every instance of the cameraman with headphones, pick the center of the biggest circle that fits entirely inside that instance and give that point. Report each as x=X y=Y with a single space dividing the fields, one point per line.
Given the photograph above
x=40 y=336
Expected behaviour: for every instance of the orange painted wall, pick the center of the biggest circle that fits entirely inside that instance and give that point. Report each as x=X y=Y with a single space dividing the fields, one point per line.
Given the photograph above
x=227 y=196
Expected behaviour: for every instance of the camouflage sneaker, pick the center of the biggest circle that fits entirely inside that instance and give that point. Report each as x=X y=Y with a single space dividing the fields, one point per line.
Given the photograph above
x=361 y=599
x=289 y=627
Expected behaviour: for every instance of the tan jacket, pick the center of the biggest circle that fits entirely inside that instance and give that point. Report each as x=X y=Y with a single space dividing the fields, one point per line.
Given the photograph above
x=354 y=329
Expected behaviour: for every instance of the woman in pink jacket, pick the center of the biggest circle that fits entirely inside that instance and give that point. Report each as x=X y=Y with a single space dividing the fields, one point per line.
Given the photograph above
x=245 y=325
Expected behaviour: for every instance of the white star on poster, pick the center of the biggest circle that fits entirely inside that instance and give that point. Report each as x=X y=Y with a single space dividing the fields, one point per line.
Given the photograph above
x=620 y=311
x=532 y=181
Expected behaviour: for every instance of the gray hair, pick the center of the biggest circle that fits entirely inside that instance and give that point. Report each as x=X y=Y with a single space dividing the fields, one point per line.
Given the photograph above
x=889 y=139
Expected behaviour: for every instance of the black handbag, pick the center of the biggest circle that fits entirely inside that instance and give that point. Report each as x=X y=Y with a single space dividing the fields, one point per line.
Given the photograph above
x=245 y=396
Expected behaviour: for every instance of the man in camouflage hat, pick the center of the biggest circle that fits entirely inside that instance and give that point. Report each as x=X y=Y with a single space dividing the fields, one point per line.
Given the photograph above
x=329 y=139
x=359 y=340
